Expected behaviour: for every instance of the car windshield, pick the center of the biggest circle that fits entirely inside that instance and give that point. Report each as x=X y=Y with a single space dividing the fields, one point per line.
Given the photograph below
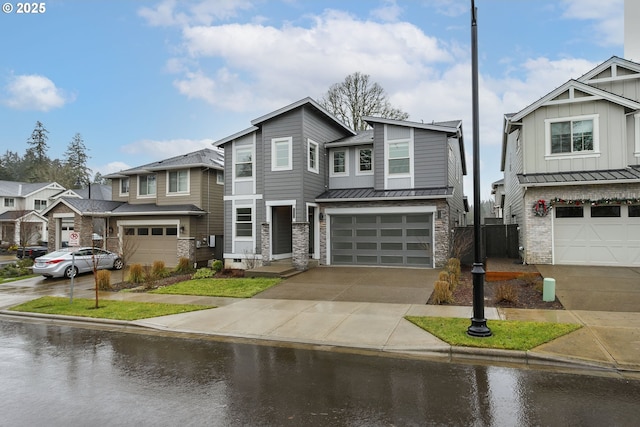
x=56 y=254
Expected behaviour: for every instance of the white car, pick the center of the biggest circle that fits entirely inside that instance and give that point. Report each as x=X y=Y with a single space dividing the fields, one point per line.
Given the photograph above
x=68 y=262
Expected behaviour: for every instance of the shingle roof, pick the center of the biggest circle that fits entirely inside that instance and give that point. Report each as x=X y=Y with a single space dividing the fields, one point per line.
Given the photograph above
x=362 y=137
x=631 y=173
x=20 y=189
x=341 y=195
x=206 y=157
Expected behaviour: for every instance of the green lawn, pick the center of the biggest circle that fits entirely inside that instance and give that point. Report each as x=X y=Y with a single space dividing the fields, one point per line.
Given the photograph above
x=506 y=334
x=108 y=309
x=233 y=287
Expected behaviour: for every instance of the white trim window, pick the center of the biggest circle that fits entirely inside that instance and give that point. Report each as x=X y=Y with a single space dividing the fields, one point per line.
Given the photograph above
x=220 y=177
x=572 y=136
x=244 y=222
x=281 y=149
x=312 y=156
x=636 y=118
x=365 y=161
x=39 y=204
x=124 y=186
x=243 y=159
x=399 y=158
x=178 y=181
x=147 y=185
x=339 y=162
x=9 y=202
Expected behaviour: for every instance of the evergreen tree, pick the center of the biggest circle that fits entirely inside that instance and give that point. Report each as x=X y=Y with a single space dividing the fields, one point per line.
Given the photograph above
x=37 y=163
x=76 y=162
x=11 y=167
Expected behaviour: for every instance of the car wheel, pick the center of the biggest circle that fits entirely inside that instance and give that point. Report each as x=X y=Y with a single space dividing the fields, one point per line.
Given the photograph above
x=118 y=264
x=70 y=272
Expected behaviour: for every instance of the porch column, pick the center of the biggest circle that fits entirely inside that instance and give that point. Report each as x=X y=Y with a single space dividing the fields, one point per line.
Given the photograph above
x=265 y=243
x=300 y=243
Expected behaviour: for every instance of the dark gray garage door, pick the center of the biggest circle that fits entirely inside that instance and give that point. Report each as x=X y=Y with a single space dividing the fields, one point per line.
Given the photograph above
x=385 y=239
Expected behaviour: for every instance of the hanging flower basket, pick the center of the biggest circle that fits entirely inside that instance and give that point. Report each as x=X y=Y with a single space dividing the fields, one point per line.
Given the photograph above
x=540 y=208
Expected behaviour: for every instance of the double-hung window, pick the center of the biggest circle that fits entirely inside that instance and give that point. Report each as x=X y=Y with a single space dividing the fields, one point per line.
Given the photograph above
x=365 y=161
x=399 y=160
x=39 y=204
x=178 y=181
x=339 y=162
x=9 y=202
x=312 y=156
x=244 y=223
x=244 y=162
x=147 y=185
x=576 y=135
x=281 y=154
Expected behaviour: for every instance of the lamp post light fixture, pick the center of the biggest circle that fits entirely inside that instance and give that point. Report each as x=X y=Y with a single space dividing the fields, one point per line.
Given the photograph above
x=478 y=326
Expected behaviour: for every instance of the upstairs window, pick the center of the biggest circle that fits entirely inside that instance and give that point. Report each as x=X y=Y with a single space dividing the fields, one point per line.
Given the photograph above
x=178 y=181
x=312 y=156
x=220 y=177
x=339 y=162
x=365 y=161
x=399 y=160
x=577 y=135
x=39 y=204
x=9 y=202
x=124 y=186
x=281 y=154
x=244 y=162
x=147 y=185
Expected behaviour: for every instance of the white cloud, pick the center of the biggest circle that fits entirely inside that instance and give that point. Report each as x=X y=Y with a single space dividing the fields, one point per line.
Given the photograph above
x=34 y=92
x=165 y=14
x=607 y=17
x=390 y=11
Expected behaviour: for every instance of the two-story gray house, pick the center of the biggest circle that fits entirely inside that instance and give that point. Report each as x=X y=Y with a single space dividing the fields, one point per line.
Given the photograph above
x=302 y=185
x=571 y=163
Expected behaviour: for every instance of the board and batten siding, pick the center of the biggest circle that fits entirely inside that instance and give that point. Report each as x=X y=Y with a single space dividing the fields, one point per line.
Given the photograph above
x=611 y=135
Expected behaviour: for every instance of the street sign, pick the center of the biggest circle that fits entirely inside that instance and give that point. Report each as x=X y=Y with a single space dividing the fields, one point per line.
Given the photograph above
x=74 y=239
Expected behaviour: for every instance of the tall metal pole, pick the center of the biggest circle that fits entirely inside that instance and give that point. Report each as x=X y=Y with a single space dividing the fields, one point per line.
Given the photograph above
x=478 y=326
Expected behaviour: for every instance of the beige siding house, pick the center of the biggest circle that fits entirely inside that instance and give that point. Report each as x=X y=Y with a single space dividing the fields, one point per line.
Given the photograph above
x=571 y=164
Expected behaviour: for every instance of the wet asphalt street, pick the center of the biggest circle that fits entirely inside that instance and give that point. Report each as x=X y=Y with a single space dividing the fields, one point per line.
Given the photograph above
x=65 y=376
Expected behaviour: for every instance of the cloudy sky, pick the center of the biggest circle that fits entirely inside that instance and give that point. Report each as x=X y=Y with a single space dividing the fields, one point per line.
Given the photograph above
x=145 y=80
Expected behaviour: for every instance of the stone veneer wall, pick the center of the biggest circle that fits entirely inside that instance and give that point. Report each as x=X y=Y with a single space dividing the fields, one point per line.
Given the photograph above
x=300 y=242
x=442 y=234
x=265 y=241
x=186 y=249
x=537 y=233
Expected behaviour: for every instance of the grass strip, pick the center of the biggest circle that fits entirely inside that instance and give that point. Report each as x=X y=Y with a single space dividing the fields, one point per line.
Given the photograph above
x=506 y=334
x=107 y=309
x=232 y=287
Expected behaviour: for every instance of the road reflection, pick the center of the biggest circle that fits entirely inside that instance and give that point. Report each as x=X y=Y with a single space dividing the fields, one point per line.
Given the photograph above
x=66 y=376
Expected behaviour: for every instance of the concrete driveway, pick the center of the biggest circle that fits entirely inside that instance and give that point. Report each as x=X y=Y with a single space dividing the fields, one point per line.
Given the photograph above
x=357 y=284
x=595 y=288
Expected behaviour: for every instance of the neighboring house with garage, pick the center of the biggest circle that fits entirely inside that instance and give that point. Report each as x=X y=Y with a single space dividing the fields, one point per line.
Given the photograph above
x=21 y=207
x=161 y=211
x=301 y=185
x=571 y=163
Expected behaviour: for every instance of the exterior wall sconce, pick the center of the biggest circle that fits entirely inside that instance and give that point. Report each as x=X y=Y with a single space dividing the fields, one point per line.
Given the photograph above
x=181 y=229
x=110 y=230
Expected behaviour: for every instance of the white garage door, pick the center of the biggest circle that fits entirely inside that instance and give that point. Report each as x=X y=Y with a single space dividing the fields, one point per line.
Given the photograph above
x=597 y=235
x=152 y=243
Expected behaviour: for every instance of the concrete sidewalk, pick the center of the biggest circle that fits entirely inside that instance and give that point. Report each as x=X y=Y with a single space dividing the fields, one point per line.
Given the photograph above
x=608 y=341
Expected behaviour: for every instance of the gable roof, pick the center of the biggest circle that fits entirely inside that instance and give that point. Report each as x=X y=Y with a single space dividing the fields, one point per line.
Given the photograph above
x=207 y=157
x=301 y=103
x=26 y=189
x=614 y=65
x=110 y=208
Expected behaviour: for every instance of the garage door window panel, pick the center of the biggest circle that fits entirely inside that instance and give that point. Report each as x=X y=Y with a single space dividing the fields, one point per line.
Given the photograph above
x=569 y=211
x=391 y=232
x=172 y=231
x=634 y=211
x=418 y=232
x=372 y=246
x=389 y=246
x=143 y=231
x=605 y=211
x=157 y=231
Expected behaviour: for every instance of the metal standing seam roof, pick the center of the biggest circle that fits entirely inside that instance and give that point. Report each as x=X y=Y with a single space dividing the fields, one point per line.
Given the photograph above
x=627 y=174
x=340 y=195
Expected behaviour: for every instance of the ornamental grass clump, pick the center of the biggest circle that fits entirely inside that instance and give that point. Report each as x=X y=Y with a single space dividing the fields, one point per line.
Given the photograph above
x=442 y=292
x=136 y=273
x=183 y=267
x=454 y=270
x=506 y=292
x=103 y=280
x=158 y=270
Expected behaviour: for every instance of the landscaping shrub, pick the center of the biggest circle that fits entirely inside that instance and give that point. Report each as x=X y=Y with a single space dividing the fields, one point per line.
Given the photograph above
x=158 y=270
x=454 y=270
x=203 y=273
x=442 y=292
x=217 y=266
x=184 y=266
x=506 y=292
x=103 y=279
x=136 y=273
x=24 y=263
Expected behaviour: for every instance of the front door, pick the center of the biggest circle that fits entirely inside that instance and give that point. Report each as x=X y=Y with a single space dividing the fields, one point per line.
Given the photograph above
x=281 y=236
x=311 y=217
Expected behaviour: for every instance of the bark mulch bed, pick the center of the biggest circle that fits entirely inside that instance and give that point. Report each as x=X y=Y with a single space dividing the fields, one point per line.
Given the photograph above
x=528 y=292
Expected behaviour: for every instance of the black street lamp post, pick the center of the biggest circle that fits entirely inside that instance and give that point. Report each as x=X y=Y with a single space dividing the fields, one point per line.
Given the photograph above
x=478 y=326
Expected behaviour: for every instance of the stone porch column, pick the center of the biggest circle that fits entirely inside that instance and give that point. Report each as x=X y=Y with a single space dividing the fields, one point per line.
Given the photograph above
x=265 y=242
x=300 y=238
